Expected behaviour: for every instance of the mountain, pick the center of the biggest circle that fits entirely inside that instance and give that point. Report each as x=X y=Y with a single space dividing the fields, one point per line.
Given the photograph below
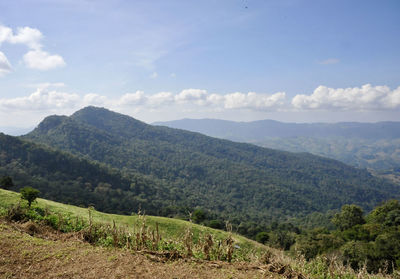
x=75 y=180
x=238 y=181
x=365 y=145
x=263 y=129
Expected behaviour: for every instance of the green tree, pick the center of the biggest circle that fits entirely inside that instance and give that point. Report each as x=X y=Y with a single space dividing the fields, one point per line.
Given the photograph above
x=6 y=182
x=30 y=194
x=388 y=214
x=198 y=216
x=262 y=237
x=348 y=217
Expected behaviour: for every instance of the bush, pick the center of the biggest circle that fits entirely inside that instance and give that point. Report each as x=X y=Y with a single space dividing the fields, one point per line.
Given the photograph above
x=262 y=237
x=6 y=182
x=29 y=194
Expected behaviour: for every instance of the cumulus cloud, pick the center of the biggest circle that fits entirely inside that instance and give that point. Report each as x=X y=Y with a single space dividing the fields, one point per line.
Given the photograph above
x=129 y=99
x=94 y=100
x=41 y=99
x=367 y=97
x=51 y=98
x=160 y=99
x=197 y=96
x=5 y=34
x=5 y=66
x=27 y=36
x=253 y=100
x=35 y=58
x=41 y=60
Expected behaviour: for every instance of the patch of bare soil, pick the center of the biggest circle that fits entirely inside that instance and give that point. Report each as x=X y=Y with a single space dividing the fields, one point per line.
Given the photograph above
x=31 y=251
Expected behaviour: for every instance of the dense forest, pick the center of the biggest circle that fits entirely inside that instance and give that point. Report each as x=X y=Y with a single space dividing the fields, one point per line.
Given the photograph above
x=364 y=145
x=69 y=179
x=362 y=241
x=233 y=181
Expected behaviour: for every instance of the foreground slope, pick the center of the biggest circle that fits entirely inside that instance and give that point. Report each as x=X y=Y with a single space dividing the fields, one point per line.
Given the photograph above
x=170 y=228
x=31 y=250
x=233 y=179
x=24 y=256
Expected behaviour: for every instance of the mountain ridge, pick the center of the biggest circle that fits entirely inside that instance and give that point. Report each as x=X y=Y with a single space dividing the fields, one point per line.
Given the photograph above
x=261 y=129
x=234 y=179
x=365 y=145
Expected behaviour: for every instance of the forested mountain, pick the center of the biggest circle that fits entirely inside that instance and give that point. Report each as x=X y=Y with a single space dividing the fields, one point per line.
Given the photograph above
x=69 y=179
x=235 y=180
x=366 y=145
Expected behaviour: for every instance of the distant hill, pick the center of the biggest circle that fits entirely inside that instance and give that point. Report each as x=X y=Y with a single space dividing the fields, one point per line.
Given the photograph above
x=235 y=180
x=263 y=129
x=366 y=145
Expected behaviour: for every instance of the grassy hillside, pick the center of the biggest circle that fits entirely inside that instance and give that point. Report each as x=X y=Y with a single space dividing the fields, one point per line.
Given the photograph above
x=171 y=229
x=33 y=249
x=34 y=257
x=236 y=181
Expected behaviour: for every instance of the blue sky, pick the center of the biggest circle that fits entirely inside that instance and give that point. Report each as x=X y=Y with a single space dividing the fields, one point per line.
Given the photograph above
x=289 y=60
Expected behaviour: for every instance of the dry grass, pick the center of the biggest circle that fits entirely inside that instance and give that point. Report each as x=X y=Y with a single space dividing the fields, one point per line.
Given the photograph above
x=23 y=255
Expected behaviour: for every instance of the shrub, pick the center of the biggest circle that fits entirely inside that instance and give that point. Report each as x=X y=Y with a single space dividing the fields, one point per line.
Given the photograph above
x=29 y=194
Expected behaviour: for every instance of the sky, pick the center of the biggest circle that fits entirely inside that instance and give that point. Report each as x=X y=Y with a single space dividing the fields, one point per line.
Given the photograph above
x=242 y=60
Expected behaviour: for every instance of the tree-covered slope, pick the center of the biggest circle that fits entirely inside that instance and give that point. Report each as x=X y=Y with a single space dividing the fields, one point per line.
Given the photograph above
x=70 y=179
x=365 y=145
x=232 y=179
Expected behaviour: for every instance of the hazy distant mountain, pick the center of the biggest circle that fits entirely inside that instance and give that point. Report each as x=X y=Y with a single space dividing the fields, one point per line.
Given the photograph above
x=236 y=180
x=372 y=145
x=258 y=131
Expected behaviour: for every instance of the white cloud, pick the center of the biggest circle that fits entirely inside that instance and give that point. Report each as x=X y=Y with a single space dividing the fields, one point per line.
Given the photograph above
x=366 y=97
x=41 y=99
x=41 y=60
x=160 y=99
x=253 y=100
x=5 y=33
x=392 y=99
x=93 y=99
x=5 y=66
x=48 y=99
x=197 y=96
x=35 y=58
x=27 y=36
x=136 y=98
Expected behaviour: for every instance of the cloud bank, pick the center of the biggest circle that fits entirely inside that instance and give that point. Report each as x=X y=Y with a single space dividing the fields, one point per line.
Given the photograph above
x=367 y=97
x=363 y=98
x=50 y=98
x=36 y=57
